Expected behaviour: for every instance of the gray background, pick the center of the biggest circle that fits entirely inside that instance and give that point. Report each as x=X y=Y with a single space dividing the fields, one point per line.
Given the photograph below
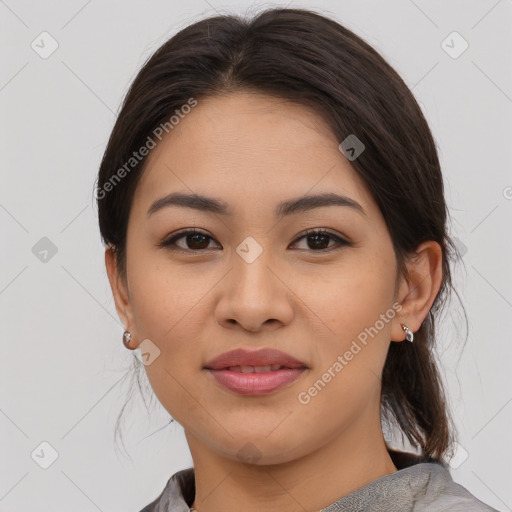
x=62 y=357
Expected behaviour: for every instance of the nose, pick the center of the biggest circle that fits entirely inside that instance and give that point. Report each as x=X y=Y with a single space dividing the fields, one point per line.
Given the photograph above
x=254 y=297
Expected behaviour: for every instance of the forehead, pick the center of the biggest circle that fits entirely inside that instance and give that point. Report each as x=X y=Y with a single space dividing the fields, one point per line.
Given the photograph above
x=246 y=144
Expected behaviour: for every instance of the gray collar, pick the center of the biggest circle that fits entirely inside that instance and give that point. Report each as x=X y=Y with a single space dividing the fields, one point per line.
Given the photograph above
x=416 y=486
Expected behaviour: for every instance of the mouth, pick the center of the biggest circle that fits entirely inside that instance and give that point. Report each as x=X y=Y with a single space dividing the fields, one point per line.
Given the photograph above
x=256 y=382
x=256 y=369
x=247 y=361
x=255 y=372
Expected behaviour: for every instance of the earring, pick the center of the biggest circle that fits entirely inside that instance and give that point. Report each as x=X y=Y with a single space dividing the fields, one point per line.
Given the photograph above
x=409 y=336
x=127 y=336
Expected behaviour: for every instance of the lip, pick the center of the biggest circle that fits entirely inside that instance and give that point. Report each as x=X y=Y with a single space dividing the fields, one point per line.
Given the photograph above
x=260 y=357
x=255 y=383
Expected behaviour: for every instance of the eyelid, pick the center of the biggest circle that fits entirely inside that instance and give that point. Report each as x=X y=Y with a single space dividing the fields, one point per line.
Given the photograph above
x=170 y=242
x=340 y=240
x=321 y=231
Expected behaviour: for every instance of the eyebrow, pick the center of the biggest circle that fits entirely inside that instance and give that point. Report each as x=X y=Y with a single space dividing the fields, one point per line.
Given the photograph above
x=283 y=209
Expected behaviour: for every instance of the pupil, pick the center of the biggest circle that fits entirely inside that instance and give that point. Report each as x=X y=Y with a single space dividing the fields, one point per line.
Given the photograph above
x=196 y=237
x=316 y=239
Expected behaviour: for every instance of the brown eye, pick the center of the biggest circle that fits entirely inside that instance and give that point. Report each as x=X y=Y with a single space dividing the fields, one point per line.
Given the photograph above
x=197 y=241
x=318 y=240
x=194 y=240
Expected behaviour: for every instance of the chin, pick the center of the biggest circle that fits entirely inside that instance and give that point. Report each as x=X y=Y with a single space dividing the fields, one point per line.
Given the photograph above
x=260 y=450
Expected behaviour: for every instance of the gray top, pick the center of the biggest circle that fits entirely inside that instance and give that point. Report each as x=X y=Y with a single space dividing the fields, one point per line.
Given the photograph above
x=416 y=486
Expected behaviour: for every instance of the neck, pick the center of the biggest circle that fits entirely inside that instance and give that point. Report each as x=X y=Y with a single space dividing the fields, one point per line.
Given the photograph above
x=342 y=465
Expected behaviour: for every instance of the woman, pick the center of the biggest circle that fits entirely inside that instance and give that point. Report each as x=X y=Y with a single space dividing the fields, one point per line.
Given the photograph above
x=273 y=209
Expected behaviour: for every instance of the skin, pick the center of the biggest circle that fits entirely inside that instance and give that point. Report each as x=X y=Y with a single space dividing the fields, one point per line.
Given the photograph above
x=253 y=151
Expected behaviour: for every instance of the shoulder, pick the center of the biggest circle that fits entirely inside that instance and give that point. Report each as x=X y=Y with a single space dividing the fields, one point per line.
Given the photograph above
x=418 y=485
x=442 y=493
x=432 y=485
x=179 y=490
x=439 y=492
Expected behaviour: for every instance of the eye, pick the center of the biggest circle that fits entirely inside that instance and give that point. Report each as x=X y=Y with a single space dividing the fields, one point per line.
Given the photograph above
x=195 y=240
x=318 y=240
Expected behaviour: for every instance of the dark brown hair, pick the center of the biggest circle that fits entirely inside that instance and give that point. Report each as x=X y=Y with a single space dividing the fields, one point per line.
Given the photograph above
x=305 y=57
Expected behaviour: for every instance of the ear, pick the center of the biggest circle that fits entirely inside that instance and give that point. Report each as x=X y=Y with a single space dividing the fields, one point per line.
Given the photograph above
x=119 y=290
x=418 y=291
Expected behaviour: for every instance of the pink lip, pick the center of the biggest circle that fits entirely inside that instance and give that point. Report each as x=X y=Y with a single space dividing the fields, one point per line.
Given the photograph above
x=260 y=357
x=256 y=383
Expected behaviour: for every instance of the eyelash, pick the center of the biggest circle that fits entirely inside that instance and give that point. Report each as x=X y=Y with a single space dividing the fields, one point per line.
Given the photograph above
x=170 y=243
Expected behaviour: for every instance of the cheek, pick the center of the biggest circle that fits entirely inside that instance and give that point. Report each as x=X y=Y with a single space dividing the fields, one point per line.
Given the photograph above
x=169 y=301
x=346 y=381
x=352 y=329
x=172 y=305
x=347 y=301
x=172 y=320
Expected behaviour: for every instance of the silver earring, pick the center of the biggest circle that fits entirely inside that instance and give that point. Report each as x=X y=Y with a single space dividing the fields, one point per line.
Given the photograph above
x=127 y=336
x=409 y=336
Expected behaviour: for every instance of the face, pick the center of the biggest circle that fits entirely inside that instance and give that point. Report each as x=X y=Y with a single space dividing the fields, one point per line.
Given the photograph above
x=253 y=277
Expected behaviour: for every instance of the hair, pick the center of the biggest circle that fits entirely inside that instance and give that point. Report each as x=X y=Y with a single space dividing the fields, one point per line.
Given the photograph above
x=304 y=57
